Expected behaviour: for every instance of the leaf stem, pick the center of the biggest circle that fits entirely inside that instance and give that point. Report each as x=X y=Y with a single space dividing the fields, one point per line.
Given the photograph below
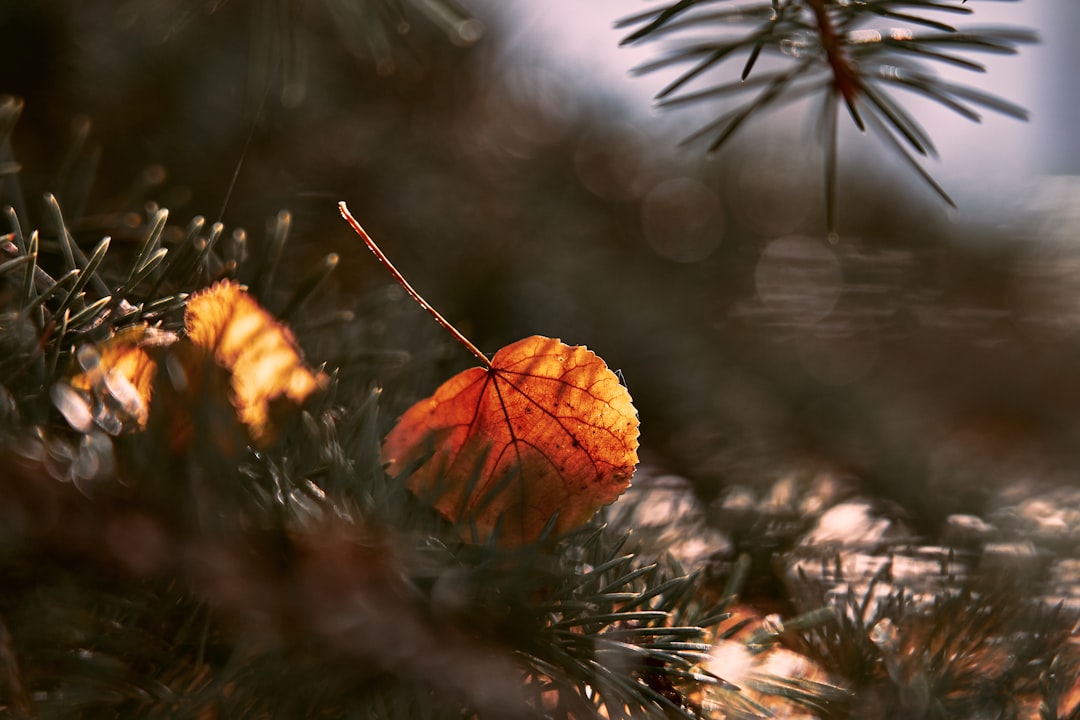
x=409 y=288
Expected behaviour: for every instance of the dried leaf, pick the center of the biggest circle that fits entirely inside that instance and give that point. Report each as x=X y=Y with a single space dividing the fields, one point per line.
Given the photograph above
x=547 y=429
x=119 y=374
x=260 y=354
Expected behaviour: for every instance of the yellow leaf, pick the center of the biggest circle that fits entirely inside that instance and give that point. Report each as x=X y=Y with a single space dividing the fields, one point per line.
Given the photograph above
x=260 y=354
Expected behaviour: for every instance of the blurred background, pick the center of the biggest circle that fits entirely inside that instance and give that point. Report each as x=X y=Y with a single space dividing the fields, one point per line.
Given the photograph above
x=516 y=172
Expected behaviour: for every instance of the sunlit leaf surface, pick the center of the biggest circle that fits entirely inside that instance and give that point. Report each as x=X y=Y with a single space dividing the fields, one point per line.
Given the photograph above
x=547 y=429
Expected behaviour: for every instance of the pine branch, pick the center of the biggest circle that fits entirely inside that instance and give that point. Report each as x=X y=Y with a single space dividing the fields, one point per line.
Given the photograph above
x=167 y=538
x=833 y=53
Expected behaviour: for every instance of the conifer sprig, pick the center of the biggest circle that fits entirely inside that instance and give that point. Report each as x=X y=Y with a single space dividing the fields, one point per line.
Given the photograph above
x=152 y=561
x=836 y=51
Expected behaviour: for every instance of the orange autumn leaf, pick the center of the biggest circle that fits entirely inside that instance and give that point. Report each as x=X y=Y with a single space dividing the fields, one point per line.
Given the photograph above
x=119 y=374
x=547 y=429
x=260 y=354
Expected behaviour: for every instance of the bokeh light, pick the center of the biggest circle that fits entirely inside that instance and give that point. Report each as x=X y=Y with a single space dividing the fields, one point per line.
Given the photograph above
x=799 y=278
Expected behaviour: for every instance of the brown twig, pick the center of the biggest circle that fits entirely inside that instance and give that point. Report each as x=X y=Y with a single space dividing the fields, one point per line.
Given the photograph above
x=845 y=78
x=409 y=289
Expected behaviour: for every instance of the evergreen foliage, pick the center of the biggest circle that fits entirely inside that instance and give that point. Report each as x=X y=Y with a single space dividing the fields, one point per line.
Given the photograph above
x=146 y=576
x=838 y=52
